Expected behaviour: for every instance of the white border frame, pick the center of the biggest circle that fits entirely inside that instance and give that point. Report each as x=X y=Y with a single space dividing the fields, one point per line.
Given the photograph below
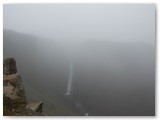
x=157 y=105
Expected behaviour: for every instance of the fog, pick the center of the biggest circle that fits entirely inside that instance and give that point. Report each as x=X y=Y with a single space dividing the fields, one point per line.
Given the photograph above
x=84 y=59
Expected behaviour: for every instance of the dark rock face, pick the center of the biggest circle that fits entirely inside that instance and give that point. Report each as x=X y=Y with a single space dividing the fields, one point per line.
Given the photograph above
x=9 y=66
x=14 y=99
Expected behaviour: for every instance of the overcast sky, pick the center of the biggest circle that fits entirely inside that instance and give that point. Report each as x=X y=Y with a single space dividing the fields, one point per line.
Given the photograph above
x=78 y=22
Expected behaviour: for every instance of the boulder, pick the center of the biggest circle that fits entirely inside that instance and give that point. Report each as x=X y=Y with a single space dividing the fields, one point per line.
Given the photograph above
x=9 y=66
x=35 y=106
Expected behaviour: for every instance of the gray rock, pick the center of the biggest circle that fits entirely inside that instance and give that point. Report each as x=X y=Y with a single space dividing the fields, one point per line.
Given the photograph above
x=9 y=66
x=13 y=87
x=35 y=106
x=14 y=99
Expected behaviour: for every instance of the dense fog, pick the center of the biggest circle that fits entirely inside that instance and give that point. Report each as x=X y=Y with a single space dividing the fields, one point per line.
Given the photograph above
x=84 y=59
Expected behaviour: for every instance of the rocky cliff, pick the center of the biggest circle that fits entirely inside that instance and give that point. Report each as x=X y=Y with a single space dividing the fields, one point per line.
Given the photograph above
x=14 y=99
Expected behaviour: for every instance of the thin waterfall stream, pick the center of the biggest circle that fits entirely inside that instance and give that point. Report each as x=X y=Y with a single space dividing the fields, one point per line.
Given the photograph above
x=69 y=88
x=70 y=80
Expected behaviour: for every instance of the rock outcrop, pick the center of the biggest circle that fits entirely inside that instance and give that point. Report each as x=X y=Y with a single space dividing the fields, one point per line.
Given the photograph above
x=12 y=87
x=9 y=66
x=14 y=100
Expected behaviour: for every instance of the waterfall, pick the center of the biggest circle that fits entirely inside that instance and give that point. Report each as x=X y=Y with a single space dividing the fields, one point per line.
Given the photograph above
x=69 y=86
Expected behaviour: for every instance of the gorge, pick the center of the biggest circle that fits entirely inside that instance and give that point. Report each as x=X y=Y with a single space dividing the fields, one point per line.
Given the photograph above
x=106 y=78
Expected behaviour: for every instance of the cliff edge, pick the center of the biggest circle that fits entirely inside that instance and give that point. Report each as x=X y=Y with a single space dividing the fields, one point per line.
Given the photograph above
x=14 y=99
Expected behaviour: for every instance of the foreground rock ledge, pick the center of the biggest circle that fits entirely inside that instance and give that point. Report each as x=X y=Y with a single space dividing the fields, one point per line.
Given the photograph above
x=14 y=99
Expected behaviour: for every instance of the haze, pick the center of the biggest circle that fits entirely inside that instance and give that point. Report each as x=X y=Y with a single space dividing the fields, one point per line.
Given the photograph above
x=79 y=22
x=97 y=59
